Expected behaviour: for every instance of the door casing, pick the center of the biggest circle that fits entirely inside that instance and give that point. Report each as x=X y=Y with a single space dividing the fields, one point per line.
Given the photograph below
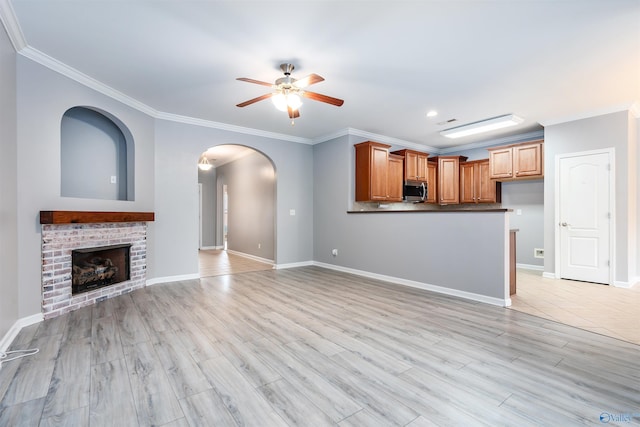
x=612 y=206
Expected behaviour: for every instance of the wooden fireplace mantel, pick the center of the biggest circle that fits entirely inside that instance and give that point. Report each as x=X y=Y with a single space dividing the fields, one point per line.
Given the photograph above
x=85 y=217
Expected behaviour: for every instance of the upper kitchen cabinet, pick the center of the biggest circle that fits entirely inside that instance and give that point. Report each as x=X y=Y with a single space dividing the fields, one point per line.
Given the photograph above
x=518 y=161
x=475 y=184
x=448 y=179
x=394 y=178
x=376 y=179
x=432 y=182
x=415 y=165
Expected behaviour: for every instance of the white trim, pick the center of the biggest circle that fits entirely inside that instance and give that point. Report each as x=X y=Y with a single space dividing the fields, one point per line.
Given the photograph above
x=253 y=257
x=209 y=248
x=588 y=114
x=231 y=128
x=513 y=139
x=294 y=265
x=628 y=285
x=433 y=288
x=611 y=152
x=88 y=81
x=10 y=21
x=530 y=267
x=168 y=279
x=550 y=275
x=199 y=215
x=13 y=332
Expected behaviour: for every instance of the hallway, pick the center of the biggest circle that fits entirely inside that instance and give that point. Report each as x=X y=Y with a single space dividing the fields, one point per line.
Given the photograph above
x=216 y=262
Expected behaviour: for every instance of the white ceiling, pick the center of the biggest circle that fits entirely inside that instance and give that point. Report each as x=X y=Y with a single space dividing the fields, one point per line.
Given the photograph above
x=391 y=61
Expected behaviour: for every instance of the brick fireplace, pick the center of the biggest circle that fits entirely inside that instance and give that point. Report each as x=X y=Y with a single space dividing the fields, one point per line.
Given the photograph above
x=66 y=232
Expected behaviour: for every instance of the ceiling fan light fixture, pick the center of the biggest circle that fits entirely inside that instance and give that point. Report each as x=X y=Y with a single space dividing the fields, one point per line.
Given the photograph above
x=282 y=102
x=482 y=126
x=204 y=164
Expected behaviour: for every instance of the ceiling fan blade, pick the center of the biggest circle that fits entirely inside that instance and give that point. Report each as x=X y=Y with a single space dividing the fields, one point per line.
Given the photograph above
x=293 y=114
x=254 y=100
x=322 y=98
x=308 y=81
x=258 y=82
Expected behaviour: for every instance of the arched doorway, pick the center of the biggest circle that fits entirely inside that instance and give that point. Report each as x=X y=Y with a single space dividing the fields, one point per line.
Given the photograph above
x=237 y=211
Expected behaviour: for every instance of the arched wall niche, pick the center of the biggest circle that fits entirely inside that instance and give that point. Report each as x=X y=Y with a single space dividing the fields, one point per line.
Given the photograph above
x=96 y=155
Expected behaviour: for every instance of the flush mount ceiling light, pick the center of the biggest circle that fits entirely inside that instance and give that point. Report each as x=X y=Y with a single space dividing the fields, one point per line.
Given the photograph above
x=204 y=164
x=482 y=126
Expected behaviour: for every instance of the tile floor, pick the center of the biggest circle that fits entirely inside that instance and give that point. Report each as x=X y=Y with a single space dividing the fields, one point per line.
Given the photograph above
x=603 y=309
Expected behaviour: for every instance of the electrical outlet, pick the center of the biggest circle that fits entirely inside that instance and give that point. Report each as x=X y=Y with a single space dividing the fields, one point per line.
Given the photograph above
x=334 y=252
x=292 y=212
x=259 y=245
x=113 y=179
x=538 y=253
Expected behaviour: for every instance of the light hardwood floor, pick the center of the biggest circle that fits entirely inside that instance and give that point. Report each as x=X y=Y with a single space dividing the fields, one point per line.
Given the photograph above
x=607 y=310
x=312 y=347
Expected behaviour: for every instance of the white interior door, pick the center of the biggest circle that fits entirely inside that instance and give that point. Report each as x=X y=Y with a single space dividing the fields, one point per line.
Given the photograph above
x=585 y=211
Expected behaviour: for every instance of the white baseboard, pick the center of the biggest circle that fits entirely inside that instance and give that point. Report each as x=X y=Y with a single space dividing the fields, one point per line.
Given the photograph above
x=253 y=257
x=547 y=275
x=168 y=279
x=630 y=284
x=294 y=265
x=438 y=289
x=530 y=267
x=13 y=332
x=208 y=248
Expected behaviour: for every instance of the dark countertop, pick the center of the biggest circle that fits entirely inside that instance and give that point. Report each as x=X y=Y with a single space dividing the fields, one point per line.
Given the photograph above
x=443 y=210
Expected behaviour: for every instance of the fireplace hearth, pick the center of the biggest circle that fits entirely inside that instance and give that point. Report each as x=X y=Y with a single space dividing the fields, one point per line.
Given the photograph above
x=94 y=268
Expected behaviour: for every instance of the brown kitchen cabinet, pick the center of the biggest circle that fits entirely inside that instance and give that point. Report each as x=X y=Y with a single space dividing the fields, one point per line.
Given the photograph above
x=415 y=164
x=432 y=182
x=374 y=181
x=394 y=178
x=517 y=161
x=448 y=179
x=476 y=186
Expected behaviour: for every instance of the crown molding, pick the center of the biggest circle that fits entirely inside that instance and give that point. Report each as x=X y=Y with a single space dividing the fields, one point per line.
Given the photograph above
x=513 y=139
x=375 y=137
x=231 y=128
x=70 y=72
x=592 y=113
x=10 y=21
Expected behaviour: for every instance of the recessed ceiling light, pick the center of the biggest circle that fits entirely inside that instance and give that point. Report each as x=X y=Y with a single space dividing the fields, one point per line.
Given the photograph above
x=432 y=113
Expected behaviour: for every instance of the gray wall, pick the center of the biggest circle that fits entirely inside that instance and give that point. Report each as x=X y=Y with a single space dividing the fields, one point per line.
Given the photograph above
x=209 y=211
x=528 y=197
x=461 y=251
x=178 y=147
x=93 y=149
x=9 y=290
x=43 y=97
x=609 y=130
x=251 y=212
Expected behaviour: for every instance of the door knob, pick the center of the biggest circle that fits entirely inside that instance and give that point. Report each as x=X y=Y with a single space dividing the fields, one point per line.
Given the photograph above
x=564 y=224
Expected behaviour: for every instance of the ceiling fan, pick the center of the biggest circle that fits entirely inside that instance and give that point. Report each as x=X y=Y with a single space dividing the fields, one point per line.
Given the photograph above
x=287 y=92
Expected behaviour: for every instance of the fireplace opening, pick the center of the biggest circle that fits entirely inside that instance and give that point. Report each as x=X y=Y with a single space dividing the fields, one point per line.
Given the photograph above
x=94 y=268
